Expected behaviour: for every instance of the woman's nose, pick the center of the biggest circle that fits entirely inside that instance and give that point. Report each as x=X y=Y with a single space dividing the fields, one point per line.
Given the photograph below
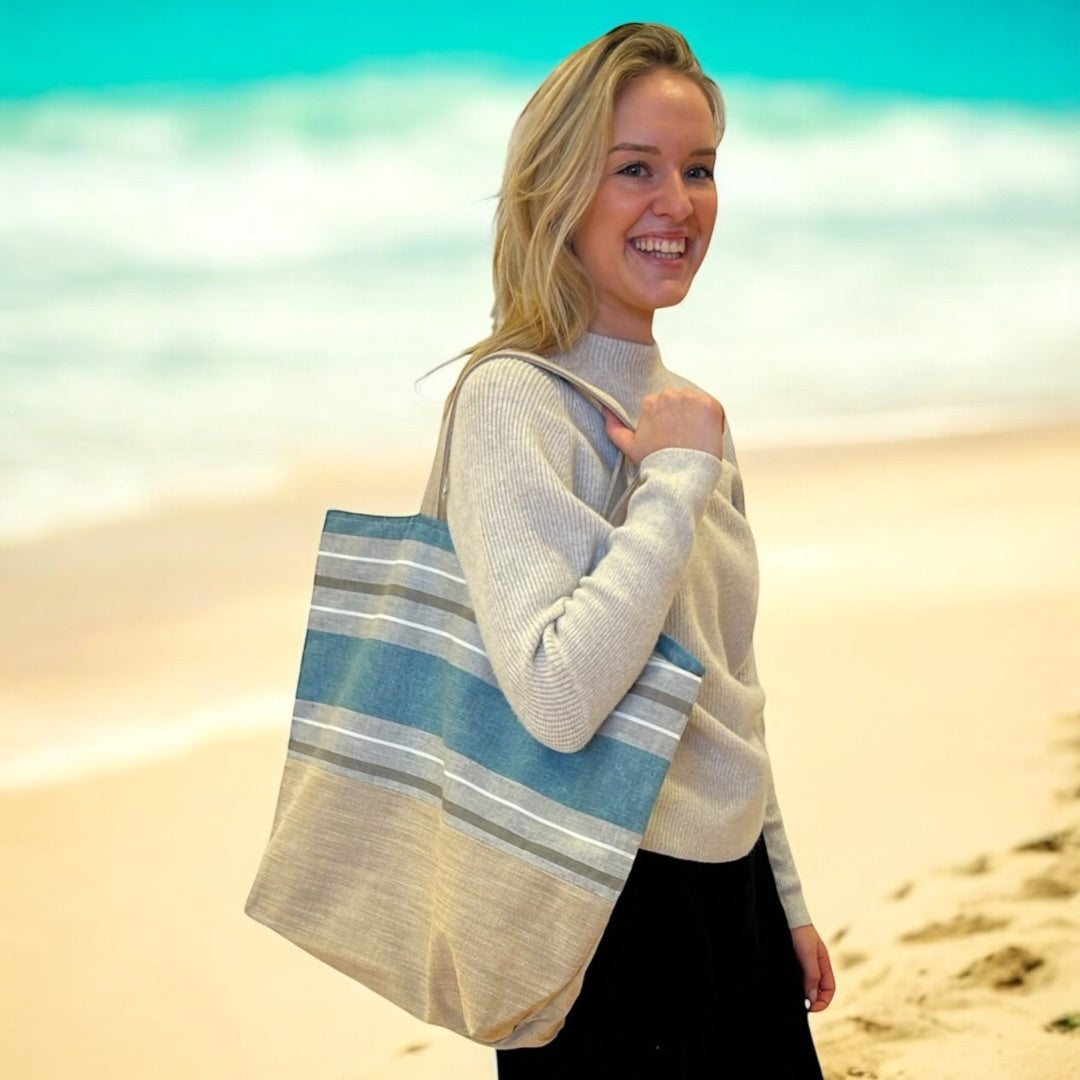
x=672 y=198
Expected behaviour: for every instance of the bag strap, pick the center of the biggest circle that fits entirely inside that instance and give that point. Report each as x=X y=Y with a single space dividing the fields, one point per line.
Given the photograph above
x=434 y=502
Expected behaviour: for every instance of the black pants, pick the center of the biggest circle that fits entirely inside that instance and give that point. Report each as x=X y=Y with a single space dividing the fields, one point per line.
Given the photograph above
x=695 y=978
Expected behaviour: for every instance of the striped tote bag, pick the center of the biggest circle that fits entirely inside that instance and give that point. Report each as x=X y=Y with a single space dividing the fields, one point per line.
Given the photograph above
x=424 y=843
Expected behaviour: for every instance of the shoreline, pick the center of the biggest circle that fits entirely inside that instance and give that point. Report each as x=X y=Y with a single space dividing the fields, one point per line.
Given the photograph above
x=852 y=433
x=129 y=604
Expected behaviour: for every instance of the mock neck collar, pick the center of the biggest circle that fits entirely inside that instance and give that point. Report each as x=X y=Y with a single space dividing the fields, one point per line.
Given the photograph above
x=628 y=370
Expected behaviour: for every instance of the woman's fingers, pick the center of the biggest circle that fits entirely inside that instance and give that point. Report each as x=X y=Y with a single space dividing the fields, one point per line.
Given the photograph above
x=685 y=419
x=819 y=984
x=621 y=435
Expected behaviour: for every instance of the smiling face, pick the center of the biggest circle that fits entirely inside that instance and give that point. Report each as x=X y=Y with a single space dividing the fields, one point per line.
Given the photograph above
x=649 y=224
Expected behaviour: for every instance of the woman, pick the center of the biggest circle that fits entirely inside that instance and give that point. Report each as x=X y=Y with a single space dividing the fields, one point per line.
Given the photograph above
x=607 y=208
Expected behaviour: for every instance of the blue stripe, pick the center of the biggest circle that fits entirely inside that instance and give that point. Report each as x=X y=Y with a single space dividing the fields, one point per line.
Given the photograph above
x=675 y=654
x=356 y=674
x=418 y=527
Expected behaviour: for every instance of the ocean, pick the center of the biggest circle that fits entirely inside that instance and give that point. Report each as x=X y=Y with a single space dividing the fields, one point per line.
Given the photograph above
x=199 y=288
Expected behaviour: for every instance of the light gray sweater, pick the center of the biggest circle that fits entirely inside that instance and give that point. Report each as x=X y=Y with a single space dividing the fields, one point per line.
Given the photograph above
x=570 y=606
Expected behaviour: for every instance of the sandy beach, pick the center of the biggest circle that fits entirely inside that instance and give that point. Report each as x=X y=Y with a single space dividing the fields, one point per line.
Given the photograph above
x=918 y=638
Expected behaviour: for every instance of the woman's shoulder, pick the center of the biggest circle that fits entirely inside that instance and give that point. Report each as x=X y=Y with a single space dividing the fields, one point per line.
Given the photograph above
x=515 y=418
x=505 y=373
x=507 y=389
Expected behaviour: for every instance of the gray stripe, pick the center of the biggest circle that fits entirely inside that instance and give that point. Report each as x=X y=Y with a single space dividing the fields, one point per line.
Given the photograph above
x=389 y=589
x=393 y=551
x=560 y=873
x=348 y=568
x=380 y=772
x=549 y=855
x=670 y=701
x=355 y=765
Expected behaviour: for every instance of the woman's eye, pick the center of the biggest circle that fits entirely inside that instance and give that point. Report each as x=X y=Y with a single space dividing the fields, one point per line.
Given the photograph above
x=634 y=168
x=699 y=172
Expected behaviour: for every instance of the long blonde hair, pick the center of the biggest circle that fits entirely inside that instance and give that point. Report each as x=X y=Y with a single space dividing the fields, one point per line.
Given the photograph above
x=544 y=300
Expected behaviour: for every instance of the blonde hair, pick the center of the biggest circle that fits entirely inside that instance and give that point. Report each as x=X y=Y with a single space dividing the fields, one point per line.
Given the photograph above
x=544 y=300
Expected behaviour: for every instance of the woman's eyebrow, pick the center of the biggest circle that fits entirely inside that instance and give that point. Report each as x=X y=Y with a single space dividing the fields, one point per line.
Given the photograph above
x=637 y=148
x=641 y=148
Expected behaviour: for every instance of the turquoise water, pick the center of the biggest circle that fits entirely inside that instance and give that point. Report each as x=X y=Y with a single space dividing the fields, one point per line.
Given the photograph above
x=993 y=49
x=205 y=279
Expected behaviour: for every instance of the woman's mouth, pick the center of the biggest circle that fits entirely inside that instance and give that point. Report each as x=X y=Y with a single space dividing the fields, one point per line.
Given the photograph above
x=659 y=248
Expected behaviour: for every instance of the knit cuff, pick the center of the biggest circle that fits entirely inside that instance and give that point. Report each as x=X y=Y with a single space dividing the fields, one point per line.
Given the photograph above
x=693 y=473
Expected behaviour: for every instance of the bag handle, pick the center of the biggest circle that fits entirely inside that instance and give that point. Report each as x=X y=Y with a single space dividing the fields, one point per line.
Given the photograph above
x=434 y=502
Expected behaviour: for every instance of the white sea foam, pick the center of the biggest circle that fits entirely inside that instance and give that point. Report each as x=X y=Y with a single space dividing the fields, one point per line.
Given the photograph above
x=243 y=182
x=807 y=153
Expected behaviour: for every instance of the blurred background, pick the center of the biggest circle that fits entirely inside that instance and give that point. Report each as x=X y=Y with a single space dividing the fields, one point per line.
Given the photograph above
x=232 y=235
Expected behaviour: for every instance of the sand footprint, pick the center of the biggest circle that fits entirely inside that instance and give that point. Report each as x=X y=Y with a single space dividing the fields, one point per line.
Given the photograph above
x=1005 y=969
x=1060 y=880
x=958 y=926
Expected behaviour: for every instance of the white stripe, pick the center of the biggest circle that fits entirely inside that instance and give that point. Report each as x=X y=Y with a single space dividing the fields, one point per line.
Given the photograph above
x=660 y=662
x=544 y=821
x=368 y=738
x=400 y=622
x=391 y=562
x=646 y=723
x=461 y=780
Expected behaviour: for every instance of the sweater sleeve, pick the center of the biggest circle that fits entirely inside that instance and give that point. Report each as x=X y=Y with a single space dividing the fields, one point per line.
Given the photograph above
x=568 y=606
x=781 y=859
x=782 y=862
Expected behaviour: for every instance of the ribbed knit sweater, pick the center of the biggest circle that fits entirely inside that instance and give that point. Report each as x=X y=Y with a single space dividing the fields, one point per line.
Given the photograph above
x=570 y=606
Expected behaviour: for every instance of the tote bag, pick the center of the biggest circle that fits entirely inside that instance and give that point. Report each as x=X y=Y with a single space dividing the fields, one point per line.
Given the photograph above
x=424 y=843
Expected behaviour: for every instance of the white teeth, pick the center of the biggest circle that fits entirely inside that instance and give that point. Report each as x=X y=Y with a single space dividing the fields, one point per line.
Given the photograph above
x=660 y=247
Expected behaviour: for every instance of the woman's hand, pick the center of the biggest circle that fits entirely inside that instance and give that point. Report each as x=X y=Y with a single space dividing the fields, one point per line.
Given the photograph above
x=818 y=982
x=684 y=419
